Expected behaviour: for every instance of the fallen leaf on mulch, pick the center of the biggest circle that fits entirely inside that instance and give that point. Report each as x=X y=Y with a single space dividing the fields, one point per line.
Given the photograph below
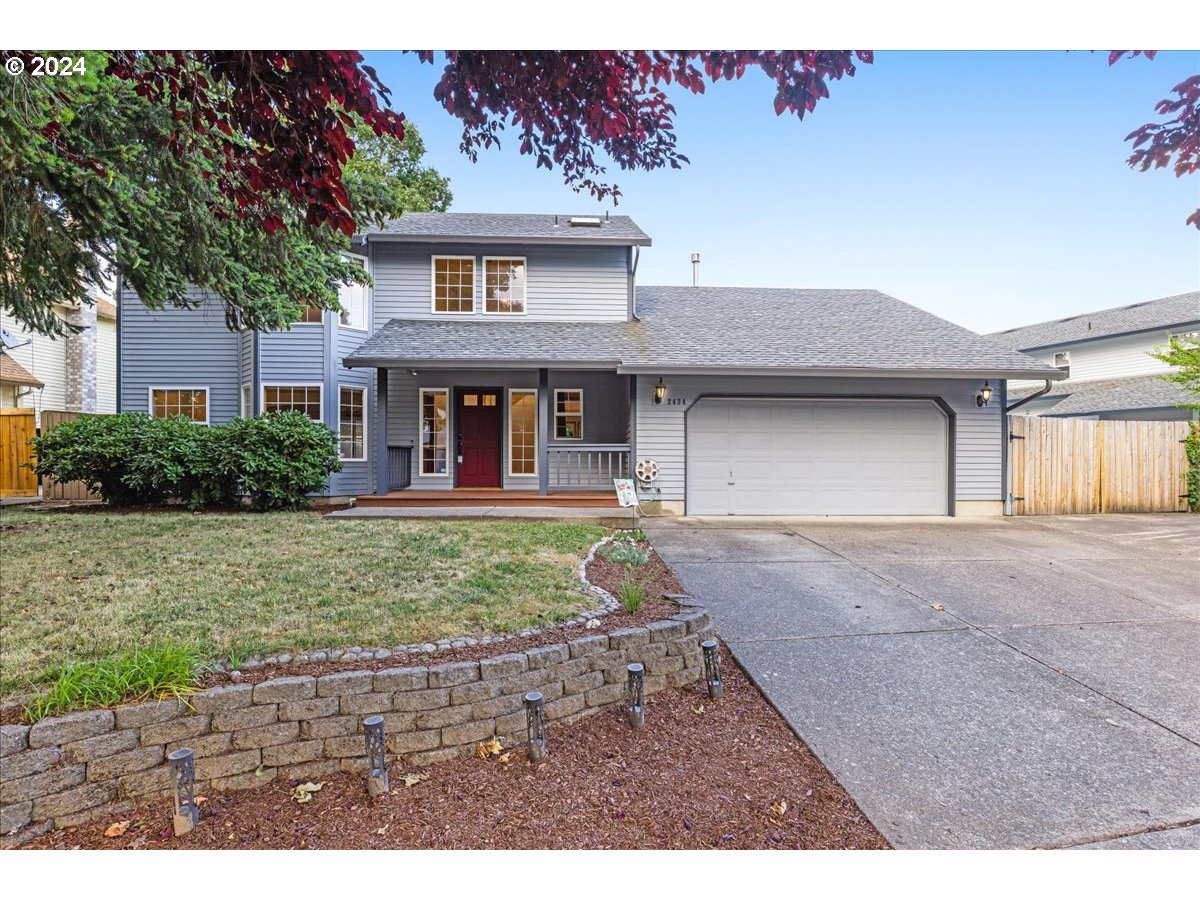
x=384 y=829
x=489 y=748
x=504 y=758
x=779 y=807
x=302 y=793
x=414 y=778
x=699 y=710
x=116 y=829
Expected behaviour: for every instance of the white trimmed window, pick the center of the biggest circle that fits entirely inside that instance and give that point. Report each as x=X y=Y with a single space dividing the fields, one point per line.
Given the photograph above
x=180 y=401
x=503 y=285
x=435 y=431
x=352 y=423
x=522 y=432
x=353 y=298
x=303 y=398
x=568 y=414
x=454 y=284
x=247 y=412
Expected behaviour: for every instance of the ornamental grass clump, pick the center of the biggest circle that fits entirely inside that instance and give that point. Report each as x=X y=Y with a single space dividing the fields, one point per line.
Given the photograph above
x=631 y=591
x=149 y=673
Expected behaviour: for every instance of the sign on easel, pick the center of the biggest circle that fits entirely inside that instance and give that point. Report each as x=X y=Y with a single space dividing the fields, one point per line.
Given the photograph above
x=626 y=495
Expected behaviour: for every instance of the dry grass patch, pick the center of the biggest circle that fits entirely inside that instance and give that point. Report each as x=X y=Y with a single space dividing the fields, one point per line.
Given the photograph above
x=82 y=586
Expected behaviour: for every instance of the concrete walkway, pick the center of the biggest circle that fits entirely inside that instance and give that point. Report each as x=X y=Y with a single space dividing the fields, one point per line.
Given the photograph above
x=1025 y=682
x=617 y=518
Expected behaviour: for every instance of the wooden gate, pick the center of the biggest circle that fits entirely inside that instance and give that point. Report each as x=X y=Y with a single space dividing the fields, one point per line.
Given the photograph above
x=17 y=479
x=1082 y=466
x=58 y=490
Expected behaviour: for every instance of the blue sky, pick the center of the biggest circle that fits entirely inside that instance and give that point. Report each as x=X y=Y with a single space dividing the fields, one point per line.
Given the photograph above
x=989 y=188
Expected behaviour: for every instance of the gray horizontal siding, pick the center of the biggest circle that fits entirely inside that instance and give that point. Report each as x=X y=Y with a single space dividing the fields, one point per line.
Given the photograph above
x=355 y=477
x=293 y=357
x=179 y=348
x=584 y=284
x=977 y=465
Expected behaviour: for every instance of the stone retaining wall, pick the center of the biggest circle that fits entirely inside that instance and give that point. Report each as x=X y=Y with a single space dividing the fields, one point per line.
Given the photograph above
x=69 y=769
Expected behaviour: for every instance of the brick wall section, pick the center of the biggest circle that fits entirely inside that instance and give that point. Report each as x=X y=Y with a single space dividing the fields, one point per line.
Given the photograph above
x=67 y=770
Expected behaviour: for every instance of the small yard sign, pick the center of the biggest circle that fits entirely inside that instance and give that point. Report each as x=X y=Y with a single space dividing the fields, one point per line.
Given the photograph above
x=626 y=495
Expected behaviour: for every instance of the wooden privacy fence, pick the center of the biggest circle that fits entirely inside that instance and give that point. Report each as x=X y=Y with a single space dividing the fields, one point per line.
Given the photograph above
x=17 y=427
x=1080 y=466
x=59 y=490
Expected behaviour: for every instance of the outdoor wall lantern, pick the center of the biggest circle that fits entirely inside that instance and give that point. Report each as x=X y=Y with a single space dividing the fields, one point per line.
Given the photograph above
x=635 y=696
x=985 y=395
x=712 y=670
x=660 y=391
x=535 y=725
x=183 y=767
x=377 y=776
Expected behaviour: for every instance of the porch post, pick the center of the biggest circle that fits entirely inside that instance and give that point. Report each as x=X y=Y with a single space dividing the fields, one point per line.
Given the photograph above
x=383 y=474
x=543 y=431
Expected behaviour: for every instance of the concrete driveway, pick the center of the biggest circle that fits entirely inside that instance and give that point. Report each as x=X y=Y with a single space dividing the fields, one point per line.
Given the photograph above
x=1029 y=682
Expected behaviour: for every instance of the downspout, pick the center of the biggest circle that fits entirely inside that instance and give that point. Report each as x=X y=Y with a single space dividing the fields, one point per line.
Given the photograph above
x=1043 y=392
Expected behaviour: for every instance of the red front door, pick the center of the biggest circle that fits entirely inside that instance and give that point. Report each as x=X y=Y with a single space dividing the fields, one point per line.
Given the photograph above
x=477 y=415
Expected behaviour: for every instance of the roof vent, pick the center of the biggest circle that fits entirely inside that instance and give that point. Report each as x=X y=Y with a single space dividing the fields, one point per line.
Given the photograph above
x=585 y=221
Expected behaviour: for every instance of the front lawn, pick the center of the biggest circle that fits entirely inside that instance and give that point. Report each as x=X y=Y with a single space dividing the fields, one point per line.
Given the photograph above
x=81 y=585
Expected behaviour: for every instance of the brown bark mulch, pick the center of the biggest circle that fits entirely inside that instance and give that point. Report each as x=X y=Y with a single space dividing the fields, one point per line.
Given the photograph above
x=658 y=579
x=700 y=774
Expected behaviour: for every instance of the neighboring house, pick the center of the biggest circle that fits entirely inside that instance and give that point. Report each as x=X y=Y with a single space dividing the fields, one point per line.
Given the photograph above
x=514 y=353
x=72 y=373
x=1106 y=358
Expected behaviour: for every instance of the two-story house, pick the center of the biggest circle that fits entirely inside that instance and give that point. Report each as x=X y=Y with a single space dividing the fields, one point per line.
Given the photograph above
x=75 y=372
x=1107 y=360
x=513 y=359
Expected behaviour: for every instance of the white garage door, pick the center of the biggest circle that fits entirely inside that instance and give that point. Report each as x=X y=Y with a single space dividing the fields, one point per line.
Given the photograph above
x=816 y=457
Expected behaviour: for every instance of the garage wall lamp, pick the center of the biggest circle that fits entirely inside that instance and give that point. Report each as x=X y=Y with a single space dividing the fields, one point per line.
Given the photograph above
x=984 y=397
x=660 y=391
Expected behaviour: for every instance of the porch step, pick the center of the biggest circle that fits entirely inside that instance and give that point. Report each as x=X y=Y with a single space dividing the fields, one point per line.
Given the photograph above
x=477 y=497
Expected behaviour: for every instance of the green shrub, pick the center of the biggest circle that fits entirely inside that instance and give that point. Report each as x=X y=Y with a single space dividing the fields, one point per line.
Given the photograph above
x=132 y=459
x=628 y=555
x=631 y=593
x=112 y=456
x=1192 y=444
x=143 y=674
x=278 y=459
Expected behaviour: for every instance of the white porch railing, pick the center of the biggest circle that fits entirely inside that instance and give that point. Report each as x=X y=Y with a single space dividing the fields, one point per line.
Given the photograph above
x=586 y=467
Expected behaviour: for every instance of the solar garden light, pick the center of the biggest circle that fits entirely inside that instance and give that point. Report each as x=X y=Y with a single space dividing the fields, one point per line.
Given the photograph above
x=634 y=695
x=183 y=767
x=535 y=725
x=712 y=670
x=377 y=776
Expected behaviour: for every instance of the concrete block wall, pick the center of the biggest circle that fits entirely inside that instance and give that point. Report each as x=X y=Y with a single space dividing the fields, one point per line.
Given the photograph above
x=66 y=770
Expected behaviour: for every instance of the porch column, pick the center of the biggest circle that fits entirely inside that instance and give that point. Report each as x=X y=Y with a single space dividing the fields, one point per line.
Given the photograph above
x=382 y=469
x=543 y=431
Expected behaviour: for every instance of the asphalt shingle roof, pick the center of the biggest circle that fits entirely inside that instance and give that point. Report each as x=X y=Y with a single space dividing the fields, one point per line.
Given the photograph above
x=432 y=226
x=1080 y=398
x=719 y=328
x=1162 y=313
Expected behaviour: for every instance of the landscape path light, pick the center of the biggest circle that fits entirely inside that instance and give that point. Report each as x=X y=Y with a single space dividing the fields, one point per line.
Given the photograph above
x=183 y=768
x=635 y=695
x=712 y=670
x=377 y=776
x=535 y=725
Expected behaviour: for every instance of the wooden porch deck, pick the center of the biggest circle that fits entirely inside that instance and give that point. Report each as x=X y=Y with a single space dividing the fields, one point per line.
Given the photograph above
x=489 y=497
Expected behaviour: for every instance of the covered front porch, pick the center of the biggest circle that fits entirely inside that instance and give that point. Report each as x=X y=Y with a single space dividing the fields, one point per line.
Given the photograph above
x=500 y=436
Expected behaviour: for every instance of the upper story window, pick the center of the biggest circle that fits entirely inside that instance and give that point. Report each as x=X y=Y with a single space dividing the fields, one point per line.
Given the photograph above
x=454 y=284
x=503 y=285
x=190 y=402
x=1062 y=362
x=312 y=315
x=353 y=300
x=303 y=398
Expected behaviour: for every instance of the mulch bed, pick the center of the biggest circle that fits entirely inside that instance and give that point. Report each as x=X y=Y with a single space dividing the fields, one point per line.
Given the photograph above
x=701 y=774
x=655 y=575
